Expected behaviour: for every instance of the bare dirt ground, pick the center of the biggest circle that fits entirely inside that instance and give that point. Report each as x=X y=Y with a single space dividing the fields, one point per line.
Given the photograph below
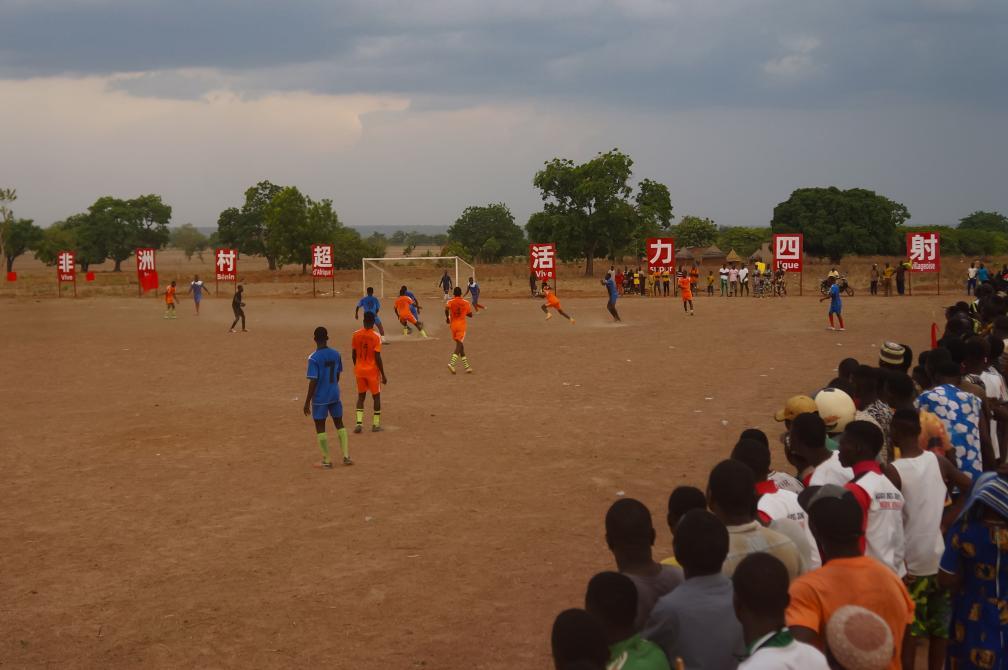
x=158 y=507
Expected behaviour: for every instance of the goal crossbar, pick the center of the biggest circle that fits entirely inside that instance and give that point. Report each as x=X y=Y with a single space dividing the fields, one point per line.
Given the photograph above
x=376 y=264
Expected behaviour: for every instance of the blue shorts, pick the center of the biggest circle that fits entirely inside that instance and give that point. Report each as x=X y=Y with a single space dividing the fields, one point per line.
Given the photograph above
x=334 y=409
x=413 y=310
x=197 y=297
x=835 y=309
x=377 y=319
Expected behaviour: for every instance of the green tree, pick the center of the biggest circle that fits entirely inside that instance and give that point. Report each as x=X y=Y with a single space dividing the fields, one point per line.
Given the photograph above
x=286 y=222
x=586 y=207
x=114 y=228
x=190 y=240
x=743 y=240
x=58 y=237
x=7 y=196
x=245 y=229
x=488 y=232
x=18 y=236
x=694 y=231
x=994 y=222
x=837 y=222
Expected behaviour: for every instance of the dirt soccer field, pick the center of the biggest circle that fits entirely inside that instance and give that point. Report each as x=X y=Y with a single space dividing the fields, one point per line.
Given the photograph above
x=159 y=508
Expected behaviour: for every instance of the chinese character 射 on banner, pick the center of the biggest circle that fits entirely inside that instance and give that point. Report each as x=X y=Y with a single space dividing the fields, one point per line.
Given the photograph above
x=924 y=252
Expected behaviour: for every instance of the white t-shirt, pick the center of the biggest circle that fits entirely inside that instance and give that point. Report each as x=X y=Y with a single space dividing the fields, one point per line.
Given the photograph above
x=924 y=501
x=884 y=538
x=971 y=273
x=994 y=386
x=783 y=505
x=795 y=656
x=724 y=273
x=786 y=482
x=831 y=472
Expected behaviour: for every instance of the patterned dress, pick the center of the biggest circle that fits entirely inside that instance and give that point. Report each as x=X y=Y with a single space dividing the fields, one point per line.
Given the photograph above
x=960 y=412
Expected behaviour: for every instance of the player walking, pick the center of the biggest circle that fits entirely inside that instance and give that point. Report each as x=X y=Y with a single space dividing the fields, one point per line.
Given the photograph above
x=613 y=295
x=473 y=289
x=323 y=396
x=368 y=370
x=169 y=297
x=196 y=288
x=686 y=293
x=554 y=302
x=835 y=306
x=369 y=303
x=402 y=309
x=236 y=307
x=446 y=284
x=456 y=312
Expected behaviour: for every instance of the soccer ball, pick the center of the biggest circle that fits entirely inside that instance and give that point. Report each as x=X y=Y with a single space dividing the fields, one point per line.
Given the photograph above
x=836 y=409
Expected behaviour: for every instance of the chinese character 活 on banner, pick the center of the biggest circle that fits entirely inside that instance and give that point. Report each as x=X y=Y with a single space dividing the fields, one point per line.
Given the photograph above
x=322 y=260
x=660 y=254
x=146 y=269
x=924 y=252
x=788 y=251
x=226 y=262
x=542 y=259
x=66 y=268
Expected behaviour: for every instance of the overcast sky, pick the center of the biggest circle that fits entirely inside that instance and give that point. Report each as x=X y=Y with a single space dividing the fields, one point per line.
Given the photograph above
x=404 y=112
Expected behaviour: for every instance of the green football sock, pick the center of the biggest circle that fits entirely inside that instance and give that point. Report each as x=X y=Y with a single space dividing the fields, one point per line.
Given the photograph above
x=454 y=359
x=465 y=362
x=360 y=417
x=423 y=332
x=342 y=434
x=376 y=419
x=323 y=443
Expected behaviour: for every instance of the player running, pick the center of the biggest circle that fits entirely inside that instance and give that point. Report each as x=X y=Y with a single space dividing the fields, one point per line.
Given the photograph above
x=685 y=283
x=368 y=370
x=446 y=284
x=414 y=308
x=323 y=396
x=835 y=305
x=236 y=307
x=473 y=289
x=196 y=287
x=456 y=312
x=369 y=303
x=402 y=309
x=554 y=302
x=613 y=295
x=169 y=297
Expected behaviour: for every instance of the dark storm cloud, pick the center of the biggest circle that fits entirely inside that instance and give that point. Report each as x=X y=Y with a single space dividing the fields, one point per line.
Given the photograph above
x=684 y=53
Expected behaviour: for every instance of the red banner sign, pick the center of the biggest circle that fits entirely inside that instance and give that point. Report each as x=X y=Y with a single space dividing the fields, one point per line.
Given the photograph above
x=226 y=262
x=660 y=254
x=322 y=260
x=66 y=267
x=924 y=252
x=146 y=269
x=789 y=250
x=12 y=276
x=542 y=260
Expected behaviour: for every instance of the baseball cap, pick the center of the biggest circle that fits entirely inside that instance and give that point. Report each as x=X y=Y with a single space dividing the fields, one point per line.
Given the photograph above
x=795 y=405
x=860 y=638
x=836 y=408
x=891 y=354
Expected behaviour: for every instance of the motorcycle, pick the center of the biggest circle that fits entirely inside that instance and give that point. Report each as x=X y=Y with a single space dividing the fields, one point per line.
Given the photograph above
x=845 y=288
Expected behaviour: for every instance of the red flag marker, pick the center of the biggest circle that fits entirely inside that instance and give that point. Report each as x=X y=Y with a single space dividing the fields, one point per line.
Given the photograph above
x=89 y=276
x=11 y=276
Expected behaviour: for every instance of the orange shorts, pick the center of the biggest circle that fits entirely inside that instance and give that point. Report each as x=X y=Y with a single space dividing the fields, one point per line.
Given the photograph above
x=408 y=318
x=686 y=295
x=554 y=305
x=369 y=384
x=458 y=334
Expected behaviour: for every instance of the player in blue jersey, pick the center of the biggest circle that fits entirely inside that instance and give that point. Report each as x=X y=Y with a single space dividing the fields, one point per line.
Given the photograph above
x=323 y=396
x=414 y=307
x=196 y=288
x=613 y=295
x=473 y=289
x=369 y=303
x=835 y=305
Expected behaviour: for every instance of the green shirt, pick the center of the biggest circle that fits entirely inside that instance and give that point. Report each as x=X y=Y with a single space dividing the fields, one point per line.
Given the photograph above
x=636 y=653
x=832 y=444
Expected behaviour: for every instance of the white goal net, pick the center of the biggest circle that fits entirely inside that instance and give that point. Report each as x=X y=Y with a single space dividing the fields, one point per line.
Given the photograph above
x=422 y=274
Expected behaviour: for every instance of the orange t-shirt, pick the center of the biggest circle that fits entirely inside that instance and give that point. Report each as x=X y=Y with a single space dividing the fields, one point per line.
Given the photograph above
x=402 y=305
x=366 y=343
x=684 y=288
x=861 y=581
x=458 y=310
x=169 y=295
x=551 y=299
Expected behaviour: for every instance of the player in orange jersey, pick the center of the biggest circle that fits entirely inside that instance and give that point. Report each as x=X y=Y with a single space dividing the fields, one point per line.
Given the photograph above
x=368 y=370
x=169 y=298
x=402 y=310
x=456 y=312
x=554 y=302
x=686 y=292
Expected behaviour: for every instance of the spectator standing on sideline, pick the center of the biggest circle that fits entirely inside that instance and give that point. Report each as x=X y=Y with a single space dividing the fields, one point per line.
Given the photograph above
x=723 y=272
x=578 y=641
x=900 y=278
x=983 y=275
x=533 y=282
x=682 y=500
x=887 y=276
x=874 y=278
x=733 y=280
x=971 y=278
x=743 y=277
x=612 y=599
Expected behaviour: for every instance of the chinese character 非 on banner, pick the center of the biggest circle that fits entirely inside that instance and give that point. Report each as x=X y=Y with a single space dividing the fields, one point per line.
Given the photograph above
x=322 y=260
x=66 y=268
x=788 y=251
x=227 y=264
x=924 y=252
x=660 y=254
x=542 y=258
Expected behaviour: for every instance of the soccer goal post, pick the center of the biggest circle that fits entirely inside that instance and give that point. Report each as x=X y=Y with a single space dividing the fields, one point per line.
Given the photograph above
x=419 y=274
